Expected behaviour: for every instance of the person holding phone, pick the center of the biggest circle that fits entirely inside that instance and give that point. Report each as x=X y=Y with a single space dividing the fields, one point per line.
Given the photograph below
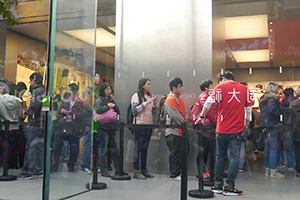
x=143 y=108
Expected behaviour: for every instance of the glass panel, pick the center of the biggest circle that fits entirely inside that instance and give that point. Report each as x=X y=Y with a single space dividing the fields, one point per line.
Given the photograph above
x=195 y=40
x=23 y=53
x=73 y=94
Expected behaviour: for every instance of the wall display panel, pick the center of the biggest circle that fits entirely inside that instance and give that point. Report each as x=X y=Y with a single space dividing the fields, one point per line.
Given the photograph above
x=165 y=41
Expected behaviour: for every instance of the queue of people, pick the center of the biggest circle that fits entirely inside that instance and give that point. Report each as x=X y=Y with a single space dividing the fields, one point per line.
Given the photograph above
x=225 y=113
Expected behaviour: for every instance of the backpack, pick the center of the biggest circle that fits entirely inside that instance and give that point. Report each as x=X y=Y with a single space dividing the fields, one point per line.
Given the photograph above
x=161 y=108
x=10 y=108
x=130 y=115
x=196 y=110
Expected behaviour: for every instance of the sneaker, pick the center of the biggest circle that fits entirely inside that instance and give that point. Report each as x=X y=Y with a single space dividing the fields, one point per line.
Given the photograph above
x=280 y=166
x=218 y=189
x=275 y=174
x=290 y=169
x=298 y=175
x=267 y=172
x=138 y=175
x=39 y=174
x=85 y=171
x=231 y=191
x=177 y=178
x=241 y=170
x=24 y=176
x=146 y=173
x=206 y=176
x=105 y=174
x=71 y=169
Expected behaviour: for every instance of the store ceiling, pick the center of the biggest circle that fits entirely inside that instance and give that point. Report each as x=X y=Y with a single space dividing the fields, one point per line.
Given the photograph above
x=34 y=23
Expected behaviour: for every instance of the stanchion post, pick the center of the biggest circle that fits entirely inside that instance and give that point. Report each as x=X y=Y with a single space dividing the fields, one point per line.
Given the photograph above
x=95 y=184
x=121 y=176
x=5 y=164
x=184 y=162
x=200 y=192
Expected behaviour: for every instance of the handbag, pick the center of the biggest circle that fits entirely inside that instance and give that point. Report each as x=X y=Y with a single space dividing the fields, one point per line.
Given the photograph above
x=107 y=117
x=194 y=115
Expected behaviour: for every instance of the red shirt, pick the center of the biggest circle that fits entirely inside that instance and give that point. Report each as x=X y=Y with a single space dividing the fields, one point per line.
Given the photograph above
x=232 y=97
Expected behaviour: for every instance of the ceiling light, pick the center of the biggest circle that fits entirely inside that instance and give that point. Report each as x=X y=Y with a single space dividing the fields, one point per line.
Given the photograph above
x=251 y=56
x=103 y=38
x=255 y=26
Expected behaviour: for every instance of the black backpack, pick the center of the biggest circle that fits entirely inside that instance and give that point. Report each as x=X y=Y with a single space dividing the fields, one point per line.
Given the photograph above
x=130 y=116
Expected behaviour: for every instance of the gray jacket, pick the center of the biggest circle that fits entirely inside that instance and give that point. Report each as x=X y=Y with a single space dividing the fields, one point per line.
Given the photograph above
x=34 y=112
x=173 y=117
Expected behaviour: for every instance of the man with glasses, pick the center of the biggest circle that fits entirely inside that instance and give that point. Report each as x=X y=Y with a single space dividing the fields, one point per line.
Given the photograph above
x=175 y=114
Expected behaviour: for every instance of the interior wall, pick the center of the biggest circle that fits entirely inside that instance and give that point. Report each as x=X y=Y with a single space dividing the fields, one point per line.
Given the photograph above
x=107 y=73
x=267 y=75
x=218 y=39
x=19 y=44
x=3 y=30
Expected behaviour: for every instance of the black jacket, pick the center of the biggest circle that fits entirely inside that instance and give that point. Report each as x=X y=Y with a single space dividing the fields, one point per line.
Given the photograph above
x=295 y=107
x=269 y=110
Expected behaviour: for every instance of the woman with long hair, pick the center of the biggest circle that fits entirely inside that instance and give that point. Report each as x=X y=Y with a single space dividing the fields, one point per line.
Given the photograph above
x=143 y=107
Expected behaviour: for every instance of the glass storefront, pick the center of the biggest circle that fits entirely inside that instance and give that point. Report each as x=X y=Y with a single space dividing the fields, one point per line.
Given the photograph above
x=97 y=58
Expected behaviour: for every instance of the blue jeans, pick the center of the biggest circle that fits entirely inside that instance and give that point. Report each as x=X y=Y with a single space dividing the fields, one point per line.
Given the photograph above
x=142 y=140
x=86 y=156
x=289 y=147
x=242 y=158
x=270 y=153
x=233 y=141
x=34 y=150
x=105 y=138
x=280 y=158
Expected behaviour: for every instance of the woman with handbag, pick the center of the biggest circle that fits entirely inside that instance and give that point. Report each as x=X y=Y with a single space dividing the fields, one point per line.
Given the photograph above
x=143 y=107
x=105 y=107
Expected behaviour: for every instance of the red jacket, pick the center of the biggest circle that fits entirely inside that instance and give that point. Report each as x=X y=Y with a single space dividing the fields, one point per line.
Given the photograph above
x=211 y=115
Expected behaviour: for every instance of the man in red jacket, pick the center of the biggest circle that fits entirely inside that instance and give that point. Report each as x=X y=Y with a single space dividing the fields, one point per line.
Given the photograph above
x=233 y=98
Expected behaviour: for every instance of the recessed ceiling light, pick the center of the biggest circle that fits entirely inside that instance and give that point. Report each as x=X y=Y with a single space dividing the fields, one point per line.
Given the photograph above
x=252 y=56
x=255 y=26
x=103 y=37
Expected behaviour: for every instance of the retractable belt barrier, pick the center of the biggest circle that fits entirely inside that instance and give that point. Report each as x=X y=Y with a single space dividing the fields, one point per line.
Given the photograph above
x=199 y=193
